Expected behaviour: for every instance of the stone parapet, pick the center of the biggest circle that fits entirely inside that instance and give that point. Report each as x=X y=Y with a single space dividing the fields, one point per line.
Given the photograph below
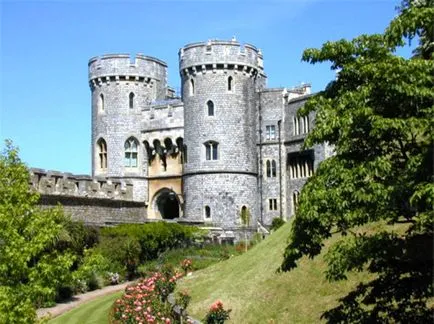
x=126 y=65
x=56 y=183
x=209 y=56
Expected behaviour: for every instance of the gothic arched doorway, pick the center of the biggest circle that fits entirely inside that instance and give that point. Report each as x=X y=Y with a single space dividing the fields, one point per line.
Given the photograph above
x=167 y=204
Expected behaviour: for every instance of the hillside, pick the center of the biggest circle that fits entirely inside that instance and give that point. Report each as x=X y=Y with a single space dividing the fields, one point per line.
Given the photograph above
x=250 y=286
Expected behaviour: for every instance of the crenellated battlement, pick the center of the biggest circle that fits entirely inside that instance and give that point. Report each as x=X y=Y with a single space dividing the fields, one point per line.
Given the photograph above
x=125 y=67
x=216 y=55
x=56 y=183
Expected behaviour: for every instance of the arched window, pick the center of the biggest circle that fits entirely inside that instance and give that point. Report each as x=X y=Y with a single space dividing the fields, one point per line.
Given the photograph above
x=101 y=102
x=210 y=106
x=207 y=212
x=295 y=198
x=268 y=164
x=211 y=150
x=102 y=154
x=191 y=87
x=230 y=85
x=130 y=146
x=131 y=100
x=296 y=122
x=306 y=124
x=245 y=216
x=273 y=168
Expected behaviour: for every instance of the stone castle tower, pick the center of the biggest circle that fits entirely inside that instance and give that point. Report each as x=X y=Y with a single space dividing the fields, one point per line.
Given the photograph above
x=121 y=86
x=219 y=81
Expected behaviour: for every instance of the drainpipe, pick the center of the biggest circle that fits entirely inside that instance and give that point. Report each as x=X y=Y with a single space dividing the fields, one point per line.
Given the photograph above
x=279 y=123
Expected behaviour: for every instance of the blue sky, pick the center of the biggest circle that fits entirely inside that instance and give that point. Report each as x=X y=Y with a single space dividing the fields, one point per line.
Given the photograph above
x=45 y=47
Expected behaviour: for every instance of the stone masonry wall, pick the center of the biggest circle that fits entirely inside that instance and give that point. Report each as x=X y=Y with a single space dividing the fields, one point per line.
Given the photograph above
x=96 y=201
x=225 y=194
x=97 y=211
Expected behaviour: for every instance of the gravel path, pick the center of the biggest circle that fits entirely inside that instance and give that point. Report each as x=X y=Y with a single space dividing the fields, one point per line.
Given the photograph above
x=77 y=300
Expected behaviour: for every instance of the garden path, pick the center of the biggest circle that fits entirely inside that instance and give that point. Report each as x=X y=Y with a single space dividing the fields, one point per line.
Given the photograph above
x=77 y=300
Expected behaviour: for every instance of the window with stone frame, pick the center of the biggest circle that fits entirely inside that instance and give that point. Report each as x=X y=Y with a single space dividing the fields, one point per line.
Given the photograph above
x=300 y=125
x=131 y=100
x=306 y=124
x=191 y=87
x=210 y=108
x=207 y=212
x=102 y=154
x=211 y=150
x=272 y=204
x=230 y=83
x=270 y=132
x=271 y=168
x=131 y=153
x=101 y=106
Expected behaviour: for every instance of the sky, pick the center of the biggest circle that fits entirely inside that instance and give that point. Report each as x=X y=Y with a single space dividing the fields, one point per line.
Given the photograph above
x=45 y=106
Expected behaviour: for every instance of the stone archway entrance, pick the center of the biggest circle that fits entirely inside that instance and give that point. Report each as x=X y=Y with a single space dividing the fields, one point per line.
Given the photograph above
x=167 y=204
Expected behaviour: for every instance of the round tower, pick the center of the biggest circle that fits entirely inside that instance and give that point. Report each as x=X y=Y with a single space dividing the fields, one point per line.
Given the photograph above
x=122 y=86
x=219 y=81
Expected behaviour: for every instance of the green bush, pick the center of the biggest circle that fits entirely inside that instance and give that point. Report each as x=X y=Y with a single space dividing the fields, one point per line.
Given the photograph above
x=153 y=238
x=90 y=274
x=276 y=223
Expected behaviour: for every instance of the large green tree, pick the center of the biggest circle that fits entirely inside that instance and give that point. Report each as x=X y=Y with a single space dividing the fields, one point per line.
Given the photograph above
x=31 y=267
x=378 y=116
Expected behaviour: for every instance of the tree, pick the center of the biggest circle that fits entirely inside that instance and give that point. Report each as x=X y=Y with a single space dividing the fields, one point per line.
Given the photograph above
x=378 y=115
x=31 y=269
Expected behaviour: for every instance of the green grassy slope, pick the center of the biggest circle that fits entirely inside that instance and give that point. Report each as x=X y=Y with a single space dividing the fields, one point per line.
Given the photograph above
x=93 y=312
x=250 y=286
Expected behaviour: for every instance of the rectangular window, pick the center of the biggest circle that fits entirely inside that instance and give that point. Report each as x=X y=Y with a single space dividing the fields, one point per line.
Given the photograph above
x=270 y=132
x=211 y=151
x=272 y=204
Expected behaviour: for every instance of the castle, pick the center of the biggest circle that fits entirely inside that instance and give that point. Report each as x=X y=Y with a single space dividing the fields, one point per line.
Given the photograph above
x=229 y=146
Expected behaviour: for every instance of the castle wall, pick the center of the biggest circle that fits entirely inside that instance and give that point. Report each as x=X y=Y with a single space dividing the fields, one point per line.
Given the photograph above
x=271 y=112
x=96 y=201
x=97 y=211
x=294 y=136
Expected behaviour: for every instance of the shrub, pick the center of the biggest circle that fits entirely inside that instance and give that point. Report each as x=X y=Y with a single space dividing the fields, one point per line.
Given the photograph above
x=217 y=314
x=145 y=301
x=276 y=223
x=153 y=239
x=90 y=274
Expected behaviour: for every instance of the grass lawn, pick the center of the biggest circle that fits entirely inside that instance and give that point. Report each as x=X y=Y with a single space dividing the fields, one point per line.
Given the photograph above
x=249 y=285
x=94 y=312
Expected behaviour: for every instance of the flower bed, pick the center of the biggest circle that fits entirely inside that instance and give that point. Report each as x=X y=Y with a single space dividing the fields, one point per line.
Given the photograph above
x=146 y=301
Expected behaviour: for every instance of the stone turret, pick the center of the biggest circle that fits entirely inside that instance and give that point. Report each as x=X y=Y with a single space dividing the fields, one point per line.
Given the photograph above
x=121 y=87
x=219 y=82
